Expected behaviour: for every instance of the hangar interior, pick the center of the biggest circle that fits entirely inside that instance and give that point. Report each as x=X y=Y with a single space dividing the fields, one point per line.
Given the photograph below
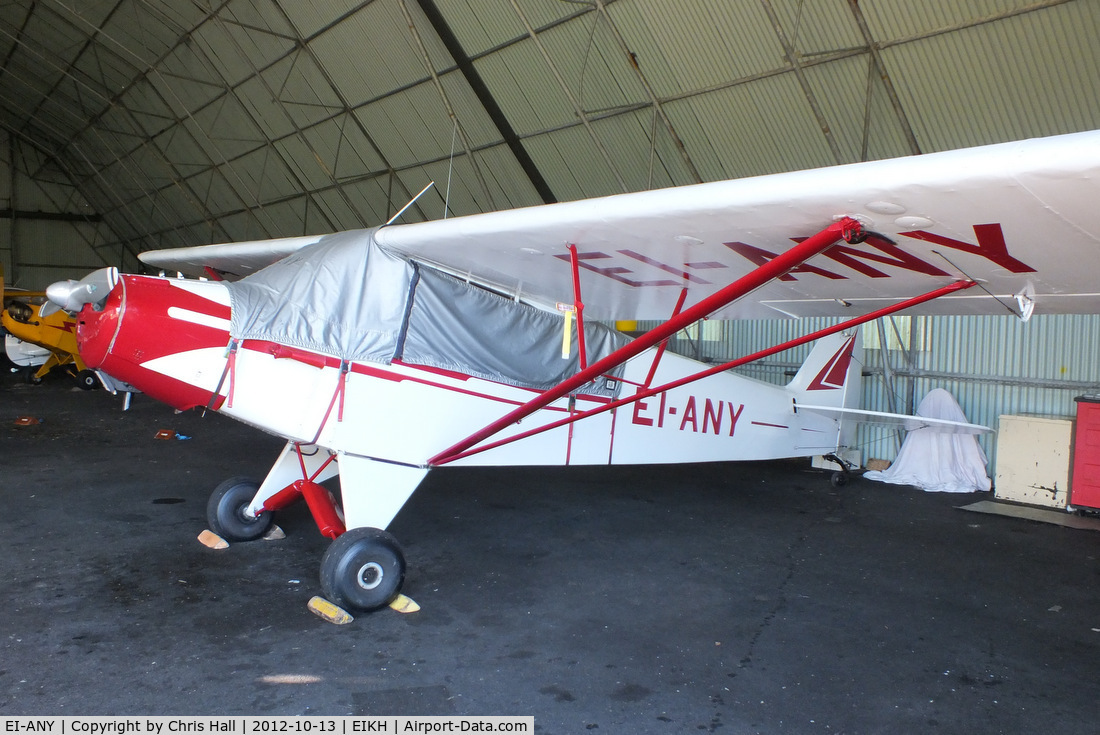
x=747 y=598
x=131 y=125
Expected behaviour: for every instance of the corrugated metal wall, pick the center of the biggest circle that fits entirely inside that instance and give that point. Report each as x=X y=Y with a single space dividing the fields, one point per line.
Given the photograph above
x=48 y=231
x=992 y=365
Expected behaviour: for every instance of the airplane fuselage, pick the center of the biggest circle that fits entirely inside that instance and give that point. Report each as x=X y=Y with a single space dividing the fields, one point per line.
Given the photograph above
x=169 y=338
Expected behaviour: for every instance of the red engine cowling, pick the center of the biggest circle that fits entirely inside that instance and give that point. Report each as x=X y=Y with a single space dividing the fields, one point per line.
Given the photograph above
x=146 y=318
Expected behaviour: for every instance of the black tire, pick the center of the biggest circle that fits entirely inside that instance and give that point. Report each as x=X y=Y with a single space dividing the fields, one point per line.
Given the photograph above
x=362 y=570
x=839 y=479
x=225 y=511
x=87 y=379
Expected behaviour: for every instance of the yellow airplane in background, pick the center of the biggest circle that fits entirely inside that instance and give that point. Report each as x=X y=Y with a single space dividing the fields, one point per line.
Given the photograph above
x=55 y=333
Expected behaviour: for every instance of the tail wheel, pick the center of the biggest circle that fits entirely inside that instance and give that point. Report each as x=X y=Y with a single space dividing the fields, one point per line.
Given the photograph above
x=225 y=511
x=363 y=569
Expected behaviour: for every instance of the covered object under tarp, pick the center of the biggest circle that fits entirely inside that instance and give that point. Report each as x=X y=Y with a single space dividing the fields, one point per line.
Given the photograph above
x=938 y=462
x=347 y=297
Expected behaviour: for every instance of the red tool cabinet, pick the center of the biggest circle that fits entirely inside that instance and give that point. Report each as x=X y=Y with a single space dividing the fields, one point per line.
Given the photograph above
x=1085 y=480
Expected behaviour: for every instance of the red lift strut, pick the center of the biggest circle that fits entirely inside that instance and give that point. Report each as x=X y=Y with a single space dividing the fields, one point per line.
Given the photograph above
x=848 y=229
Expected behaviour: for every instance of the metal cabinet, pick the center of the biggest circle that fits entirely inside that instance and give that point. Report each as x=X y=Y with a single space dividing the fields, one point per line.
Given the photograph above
x=1085 y=489
x=1033 y=460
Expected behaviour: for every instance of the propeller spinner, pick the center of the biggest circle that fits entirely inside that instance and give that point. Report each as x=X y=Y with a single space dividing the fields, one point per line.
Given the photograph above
x=71 y=296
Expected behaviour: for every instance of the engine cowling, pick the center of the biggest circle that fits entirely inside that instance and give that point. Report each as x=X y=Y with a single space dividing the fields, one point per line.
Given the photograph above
x=160 y=336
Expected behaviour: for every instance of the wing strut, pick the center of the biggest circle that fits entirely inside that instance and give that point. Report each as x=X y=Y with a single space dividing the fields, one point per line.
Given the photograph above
x=848 y=229
x=664 y=343
x=646 y=392
x=578 y=306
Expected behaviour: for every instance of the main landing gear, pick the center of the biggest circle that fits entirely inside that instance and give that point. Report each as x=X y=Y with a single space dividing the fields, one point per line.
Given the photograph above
x=226 y=511
x=362 y=570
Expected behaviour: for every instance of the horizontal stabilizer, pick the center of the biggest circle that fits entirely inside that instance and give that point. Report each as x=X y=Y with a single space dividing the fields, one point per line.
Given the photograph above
x=906 y=421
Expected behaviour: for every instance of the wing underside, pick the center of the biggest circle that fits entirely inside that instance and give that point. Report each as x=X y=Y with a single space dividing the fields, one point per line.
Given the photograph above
x=1021 y=218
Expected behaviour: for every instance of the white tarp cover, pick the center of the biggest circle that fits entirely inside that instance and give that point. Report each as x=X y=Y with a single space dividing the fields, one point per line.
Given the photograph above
x=347 y=297
x=936 y=461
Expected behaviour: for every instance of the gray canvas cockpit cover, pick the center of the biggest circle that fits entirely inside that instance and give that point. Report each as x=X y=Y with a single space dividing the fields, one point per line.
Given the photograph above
x=456 y=326
x=347 y=297
x=342 y=296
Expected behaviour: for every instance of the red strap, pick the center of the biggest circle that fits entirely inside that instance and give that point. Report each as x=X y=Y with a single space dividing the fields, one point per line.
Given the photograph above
x=231 y=366
x=344 y=365
x=338 y=393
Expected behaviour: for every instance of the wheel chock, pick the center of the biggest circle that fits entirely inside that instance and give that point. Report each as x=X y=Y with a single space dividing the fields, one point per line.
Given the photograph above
x=212 y=540
x=403 y=604
x=275 y=534
x=322 y=608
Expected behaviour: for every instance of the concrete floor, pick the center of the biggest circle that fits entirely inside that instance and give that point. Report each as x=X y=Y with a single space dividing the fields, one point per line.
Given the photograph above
x=743 y=598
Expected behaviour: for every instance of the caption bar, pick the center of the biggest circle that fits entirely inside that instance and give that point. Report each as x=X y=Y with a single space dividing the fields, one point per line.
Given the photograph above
x=261 y=725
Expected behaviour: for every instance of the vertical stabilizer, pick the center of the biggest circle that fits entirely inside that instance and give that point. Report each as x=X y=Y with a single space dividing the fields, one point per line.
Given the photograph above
x=830 y=376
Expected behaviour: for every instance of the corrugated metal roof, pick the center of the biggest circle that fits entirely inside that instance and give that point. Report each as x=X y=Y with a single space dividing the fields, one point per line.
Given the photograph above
x=481 y=25
x=605 y=96
x=685 y=47
x=368 y=55
x=311 y=18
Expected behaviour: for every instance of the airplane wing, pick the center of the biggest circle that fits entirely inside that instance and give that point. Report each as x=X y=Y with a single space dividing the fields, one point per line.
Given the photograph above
x=8 y=293
x=229 y=260
x=1021 y=218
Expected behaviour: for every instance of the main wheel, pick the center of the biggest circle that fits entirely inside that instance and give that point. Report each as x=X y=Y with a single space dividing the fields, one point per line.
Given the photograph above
x=225 y=511
x=87 y=379
x=363 y=569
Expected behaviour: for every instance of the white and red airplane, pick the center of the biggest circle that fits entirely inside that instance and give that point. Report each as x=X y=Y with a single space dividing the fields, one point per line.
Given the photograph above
x=381 y=354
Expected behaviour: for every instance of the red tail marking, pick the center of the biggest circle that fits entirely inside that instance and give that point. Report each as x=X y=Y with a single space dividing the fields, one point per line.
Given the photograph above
x=835 y=372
